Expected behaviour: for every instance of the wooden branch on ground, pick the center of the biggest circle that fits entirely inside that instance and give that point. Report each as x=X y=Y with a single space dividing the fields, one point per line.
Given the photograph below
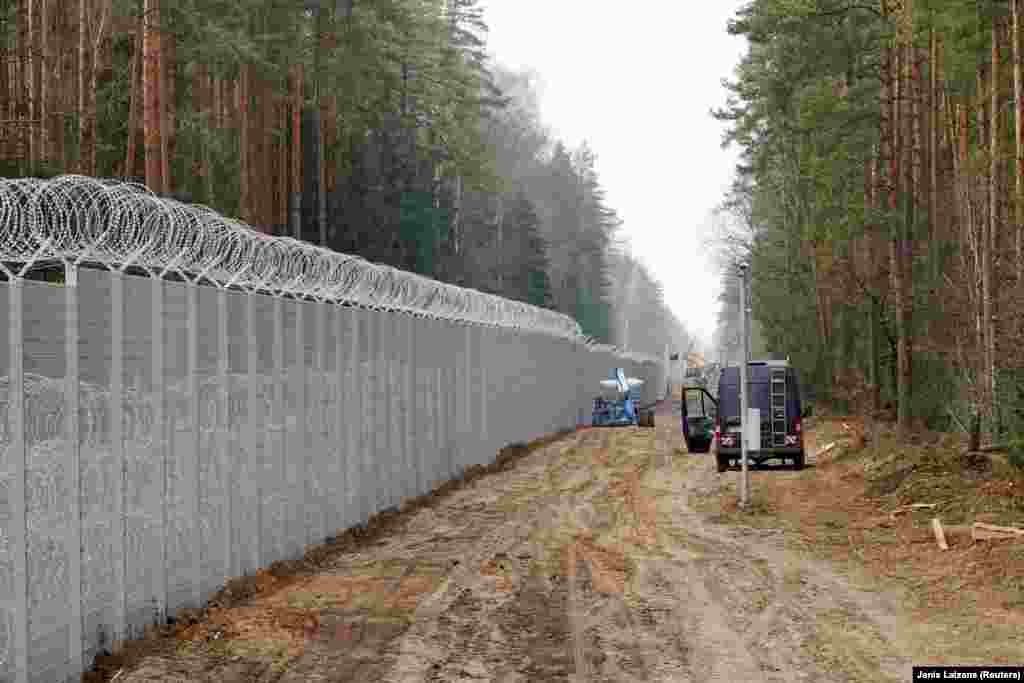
x=994 y=448
x=940 y=536
x=826 y=449
x=913 y=506
x=990 y=532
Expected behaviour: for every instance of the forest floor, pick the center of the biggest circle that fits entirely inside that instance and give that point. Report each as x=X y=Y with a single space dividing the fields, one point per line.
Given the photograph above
x=613 y=555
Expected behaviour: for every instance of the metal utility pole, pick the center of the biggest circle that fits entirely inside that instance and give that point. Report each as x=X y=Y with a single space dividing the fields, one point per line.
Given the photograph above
x=744 y=397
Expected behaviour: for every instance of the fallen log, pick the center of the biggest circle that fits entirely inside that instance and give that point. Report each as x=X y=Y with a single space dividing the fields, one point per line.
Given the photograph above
x=915 y=506
x=981 y=531
x=940 y=536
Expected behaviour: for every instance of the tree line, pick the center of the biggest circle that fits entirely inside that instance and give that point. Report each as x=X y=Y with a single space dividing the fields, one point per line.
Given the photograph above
x=378 y=128
x=880 y=201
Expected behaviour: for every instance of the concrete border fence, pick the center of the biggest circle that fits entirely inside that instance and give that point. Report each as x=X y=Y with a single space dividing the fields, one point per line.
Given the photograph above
x=184 y=400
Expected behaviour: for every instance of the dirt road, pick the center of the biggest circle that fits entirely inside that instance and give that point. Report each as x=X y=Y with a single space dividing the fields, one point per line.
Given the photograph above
x=584 y=562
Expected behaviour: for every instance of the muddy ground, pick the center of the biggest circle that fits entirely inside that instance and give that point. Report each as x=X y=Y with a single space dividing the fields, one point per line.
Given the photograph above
x=585 y=559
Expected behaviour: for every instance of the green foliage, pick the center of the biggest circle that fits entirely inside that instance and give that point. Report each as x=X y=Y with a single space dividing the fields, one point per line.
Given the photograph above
x=423 y=227
x=803 y=112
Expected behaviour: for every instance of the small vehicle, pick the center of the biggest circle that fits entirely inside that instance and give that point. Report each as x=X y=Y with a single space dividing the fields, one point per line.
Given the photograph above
x=775 y=391
x=619 y=404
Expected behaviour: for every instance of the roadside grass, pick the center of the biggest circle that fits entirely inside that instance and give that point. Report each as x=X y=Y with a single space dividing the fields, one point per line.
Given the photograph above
x=842 y=643
x=840 y=510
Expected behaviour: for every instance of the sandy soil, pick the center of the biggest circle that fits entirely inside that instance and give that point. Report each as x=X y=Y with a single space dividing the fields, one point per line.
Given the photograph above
x=586 y=561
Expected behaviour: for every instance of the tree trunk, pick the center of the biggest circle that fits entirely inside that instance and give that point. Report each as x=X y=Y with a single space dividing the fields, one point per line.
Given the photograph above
x=151 y=97
x=134 y=95
x=257 y=138
x=321 y=195
x=266 y=154
x=870 y=279
x=210 y=123
x=1018 y=121
x=5 y=103
x=898 y=254
x=21 y=86
x=933 y=159
x=57 y=43
x=992 y=244
x=35 y=80
x=86 y=91
x=330 y=144
x=244 y=156
x=70 y=72
x=284 y=166
x=46 y=80
x=201 y=107
x=296 y=155
x=321 y=103
x=168 y=97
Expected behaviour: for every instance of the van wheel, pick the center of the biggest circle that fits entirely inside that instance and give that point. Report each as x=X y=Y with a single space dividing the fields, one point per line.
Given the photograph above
x=723 y=463
x=798 y=462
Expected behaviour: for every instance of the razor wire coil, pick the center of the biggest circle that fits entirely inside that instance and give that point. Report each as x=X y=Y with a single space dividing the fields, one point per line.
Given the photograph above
x=117 y=224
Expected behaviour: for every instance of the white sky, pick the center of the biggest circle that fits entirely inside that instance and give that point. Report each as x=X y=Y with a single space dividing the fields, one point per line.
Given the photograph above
x=637 y=82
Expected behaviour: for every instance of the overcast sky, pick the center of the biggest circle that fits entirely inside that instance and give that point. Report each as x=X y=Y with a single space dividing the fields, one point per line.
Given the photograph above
x=637 y=82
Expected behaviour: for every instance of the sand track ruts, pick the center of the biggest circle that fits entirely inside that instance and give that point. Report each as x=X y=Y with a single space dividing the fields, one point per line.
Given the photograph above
x=583 y=562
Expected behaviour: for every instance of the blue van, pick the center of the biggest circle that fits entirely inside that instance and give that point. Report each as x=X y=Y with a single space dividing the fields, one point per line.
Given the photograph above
x=775 y=391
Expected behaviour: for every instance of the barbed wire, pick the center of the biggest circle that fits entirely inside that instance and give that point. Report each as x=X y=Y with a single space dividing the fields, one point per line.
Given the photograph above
x=117 y=224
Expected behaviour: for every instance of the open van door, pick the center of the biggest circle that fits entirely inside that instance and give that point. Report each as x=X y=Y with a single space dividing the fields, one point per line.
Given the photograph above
x=700 y=410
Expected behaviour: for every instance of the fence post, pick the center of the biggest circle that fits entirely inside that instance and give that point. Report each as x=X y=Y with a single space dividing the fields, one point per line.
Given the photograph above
x=256 y=432
x=402 y=385
x=160 y=438
x=224 y=452
x=370 y=407
x=322 y=463
x=444 y=389
x=120 y=458
x=340 y=445
x=279 y=447
x=485 y=392
x=19 y=453
x=469 y=450
x=299 y=462
x=388 y=471
x=74 y=444
x=195 y=489
x=355 y=491
x=411 y=406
